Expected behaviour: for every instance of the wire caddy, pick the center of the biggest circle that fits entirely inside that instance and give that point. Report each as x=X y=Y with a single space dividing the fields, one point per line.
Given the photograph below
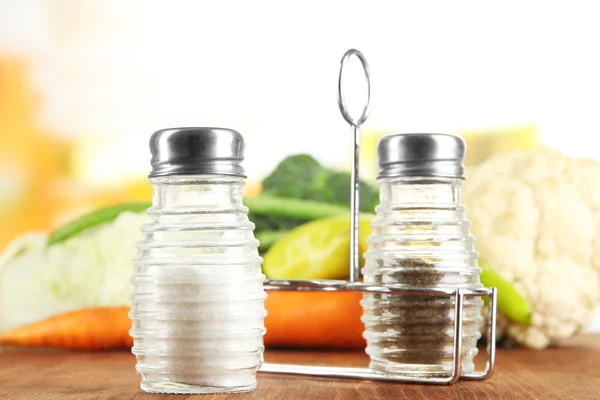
x=354 y=284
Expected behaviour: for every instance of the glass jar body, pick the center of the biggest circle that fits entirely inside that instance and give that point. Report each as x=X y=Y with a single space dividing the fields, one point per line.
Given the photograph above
x=420 y=239
x=197 y=306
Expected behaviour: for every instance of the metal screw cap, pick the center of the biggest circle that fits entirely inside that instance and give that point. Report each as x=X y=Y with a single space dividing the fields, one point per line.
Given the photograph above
x=197 y=151
x=421 y=154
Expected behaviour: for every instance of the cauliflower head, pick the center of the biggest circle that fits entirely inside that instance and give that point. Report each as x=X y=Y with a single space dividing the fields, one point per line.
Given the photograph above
x=536 y=217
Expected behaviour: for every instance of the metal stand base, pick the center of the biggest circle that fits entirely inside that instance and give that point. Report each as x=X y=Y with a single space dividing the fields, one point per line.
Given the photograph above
x=368 y=374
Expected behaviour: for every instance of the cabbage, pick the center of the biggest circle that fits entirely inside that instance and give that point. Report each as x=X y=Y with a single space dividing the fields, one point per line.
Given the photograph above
x=92 y=269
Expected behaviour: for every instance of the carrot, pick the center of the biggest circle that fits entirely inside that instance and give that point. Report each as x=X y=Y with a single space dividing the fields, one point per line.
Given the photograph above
x=87 y=329
x=295 y=319
x=314 y=319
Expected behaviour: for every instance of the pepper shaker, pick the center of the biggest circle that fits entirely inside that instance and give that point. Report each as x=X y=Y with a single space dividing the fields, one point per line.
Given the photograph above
x=420 y=239
x=197 y=306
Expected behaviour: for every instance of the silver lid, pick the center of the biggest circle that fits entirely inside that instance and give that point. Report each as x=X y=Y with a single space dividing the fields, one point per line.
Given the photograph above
x=421 y=154
x=197 y=151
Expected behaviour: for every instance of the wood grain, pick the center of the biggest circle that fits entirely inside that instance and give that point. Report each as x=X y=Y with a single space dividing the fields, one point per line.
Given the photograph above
x=569 y=372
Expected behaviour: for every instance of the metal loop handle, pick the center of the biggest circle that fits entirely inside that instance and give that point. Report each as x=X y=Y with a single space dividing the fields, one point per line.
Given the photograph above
x=341 y=101
x=354 y=175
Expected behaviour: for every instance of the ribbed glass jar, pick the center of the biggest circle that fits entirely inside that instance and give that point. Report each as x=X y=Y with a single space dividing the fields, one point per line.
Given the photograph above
x=197 y=306
x=420 y=239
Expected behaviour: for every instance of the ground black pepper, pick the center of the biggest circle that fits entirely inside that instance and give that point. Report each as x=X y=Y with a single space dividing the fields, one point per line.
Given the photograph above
x=417 y=329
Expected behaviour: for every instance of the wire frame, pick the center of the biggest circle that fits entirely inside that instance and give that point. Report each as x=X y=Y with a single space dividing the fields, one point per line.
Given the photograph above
x=354 y=285
x=368 y=374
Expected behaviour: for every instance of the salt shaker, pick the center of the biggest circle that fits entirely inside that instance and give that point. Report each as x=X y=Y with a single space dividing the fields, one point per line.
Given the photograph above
x=197 y=306
x=420 y=239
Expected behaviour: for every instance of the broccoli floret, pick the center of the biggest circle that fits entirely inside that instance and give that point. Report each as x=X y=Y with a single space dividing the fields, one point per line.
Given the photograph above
x=300 y=190
x=302 y=177
x=293 y=177
x=336 y=189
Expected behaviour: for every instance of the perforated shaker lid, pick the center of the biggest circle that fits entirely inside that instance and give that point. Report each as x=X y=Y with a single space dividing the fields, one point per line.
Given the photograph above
x=421 y=154
x=197 y=151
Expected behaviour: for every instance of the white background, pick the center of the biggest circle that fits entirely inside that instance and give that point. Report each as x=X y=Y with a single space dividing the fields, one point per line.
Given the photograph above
x=269 y=69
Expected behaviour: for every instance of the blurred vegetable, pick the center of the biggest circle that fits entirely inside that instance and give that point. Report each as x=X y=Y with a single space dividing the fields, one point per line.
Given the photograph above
x=314 y=319
x=93 y=219
x=317 y=250
x=298 y=191
x=65 y=290
x=89 y=261
x=274 y=216
x=91 y=269
x=268 y=239
x=293 y=177
x=280 y=213
x=271 y=215
x=86 y=264
x=301 y=176
x=33 y=161
x=483 y=144
x=536 y=216
x=86 y=329
x=510 y=301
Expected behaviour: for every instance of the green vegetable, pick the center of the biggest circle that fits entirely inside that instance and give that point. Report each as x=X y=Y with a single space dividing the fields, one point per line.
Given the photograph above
x=267 y=212
x=275 y=216
x=300 y=190
x=301 y=176
x=86 y=271
x=268 y=238
x=296 y=209
x=335 y=188
x=510 y=302
x=317 y=250
x=93 y=219
x=293 y=177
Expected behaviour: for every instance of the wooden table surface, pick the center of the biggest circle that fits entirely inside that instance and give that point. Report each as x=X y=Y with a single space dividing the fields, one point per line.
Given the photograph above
x=569 y=372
